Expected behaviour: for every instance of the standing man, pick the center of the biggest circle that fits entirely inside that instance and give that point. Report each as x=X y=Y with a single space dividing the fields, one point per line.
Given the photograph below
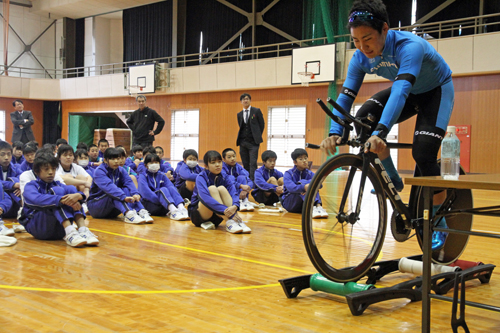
x=22 y=121
x=142 y=121
x=252 y=125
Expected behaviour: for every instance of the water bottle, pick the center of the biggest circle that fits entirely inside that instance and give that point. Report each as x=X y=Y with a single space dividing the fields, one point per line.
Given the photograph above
x=450 y=155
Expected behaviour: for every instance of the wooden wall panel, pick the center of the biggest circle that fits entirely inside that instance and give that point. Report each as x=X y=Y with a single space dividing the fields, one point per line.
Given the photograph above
x=36 y=108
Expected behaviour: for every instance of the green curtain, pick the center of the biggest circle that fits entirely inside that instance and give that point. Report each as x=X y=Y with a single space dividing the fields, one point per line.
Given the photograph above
x=326 y=18
x=81 y=128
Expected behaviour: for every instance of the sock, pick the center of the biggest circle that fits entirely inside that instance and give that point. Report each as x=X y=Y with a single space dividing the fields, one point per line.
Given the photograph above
x=82 y=229
x=179 y=206
x=442 y=223
x=245 y=200
x=393 y=173
x=172 y=208
x=69 y=229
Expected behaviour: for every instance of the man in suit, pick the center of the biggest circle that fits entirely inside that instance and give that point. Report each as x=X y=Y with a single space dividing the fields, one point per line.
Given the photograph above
x=22 y=121
x=252 y=125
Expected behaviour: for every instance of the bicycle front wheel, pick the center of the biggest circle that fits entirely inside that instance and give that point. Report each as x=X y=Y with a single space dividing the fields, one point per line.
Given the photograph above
x=345 y=245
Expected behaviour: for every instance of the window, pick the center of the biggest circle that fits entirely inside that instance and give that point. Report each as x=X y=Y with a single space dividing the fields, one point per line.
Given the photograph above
x=286 y=132
x=185 y=132
x=2 y=125
x=391 y=137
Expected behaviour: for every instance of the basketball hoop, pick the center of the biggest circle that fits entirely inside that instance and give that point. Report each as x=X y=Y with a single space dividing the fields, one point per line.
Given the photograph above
x=135 y=90
x=305 y=78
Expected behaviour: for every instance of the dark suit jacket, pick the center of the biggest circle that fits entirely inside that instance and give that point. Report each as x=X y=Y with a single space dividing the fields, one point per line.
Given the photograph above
x=257 y=124
x=17 y=120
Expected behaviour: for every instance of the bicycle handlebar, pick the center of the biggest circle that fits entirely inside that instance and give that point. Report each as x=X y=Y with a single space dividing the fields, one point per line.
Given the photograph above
x=346 y=114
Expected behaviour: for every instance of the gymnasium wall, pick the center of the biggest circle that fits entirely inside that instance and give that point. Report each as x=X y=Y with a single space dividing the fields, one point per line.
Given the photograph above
x=36 y=108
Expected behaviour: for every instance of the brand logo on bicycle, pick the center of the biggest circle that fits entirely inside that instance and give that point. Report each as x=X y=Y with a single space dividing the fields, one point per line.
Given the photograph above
x=437 y=136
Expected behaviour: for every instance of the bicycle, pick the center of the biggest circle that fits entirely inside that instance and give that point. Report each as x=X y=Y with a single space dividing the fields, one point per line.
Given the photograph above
x=344 y=247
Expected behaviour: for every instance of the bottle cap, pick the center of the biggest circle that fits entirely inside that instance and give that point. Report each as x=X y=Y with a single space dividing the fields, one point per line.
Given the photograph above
x=451 y=129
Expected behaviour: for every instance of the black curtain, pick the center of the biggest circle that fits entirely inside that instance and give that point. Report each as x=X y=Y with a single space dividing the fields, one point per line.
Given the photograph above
x=147 y=31
x=51 y=121
x=80 y=45
x=399 y=11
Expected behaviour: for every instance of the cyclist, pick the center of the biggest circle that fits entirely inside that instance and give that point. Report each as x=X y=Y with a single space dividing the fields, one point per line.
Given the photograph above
x=422 y=86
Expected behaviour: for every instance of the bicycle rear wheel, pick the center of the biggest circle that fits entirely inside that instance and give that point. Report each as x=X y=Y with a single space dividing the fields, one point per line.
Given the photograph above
x=344 y=246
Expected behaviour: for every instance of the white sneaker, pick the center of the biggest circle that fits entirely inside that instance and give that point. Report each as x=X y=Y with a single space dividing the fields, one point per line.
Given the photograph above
x=85 y=208
x=185 y=214
x=316 y=213
x=145 y=215
x=208 y=226
x=74 y=239
x=6 y=231
x=133 y=218
x=90 y=238
x=246 y=229
x=18 y=228
x=176 y=215
x=248 y=206
x=243 y=207
x=233 y=227
x=323 y=212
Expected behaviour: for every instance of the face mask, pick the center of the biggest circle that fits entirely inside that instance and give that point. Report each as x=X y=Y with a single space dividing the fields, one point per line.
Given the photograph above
x=83 y=163
x=191 y=164
x=154 y=168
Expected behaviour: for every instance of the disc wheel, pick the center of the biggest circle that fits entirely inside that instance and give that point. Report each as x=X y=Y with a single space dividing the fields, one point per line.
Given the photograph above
x=344 y=246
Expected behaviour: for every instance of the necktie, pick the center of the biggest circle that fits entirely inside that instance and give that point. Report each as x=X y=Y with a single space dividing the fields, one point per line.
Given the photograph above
x=246 y=116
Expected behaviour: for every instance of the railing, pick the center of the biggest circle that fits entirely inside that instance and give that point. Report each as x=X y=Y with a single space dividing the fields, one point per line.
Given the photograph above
x=436 y=30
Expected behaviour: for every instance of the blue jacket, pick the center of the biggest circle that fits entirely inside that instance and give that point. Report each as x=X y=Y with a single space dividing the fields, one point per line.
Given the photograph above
x=19 y=161
x=295 y=180
x=92 y=165
x=141 y=168
x=5 y=201
x=202 y=194
x=90 y=170
x=234 y=172
x=109 y=182
x=404 y=53
x=25 y=166
x=262 y=175
x=129 y=162
x=11 y=179
x=150 y=182
x=101 y=155
x=38 y=195
x=186 y=173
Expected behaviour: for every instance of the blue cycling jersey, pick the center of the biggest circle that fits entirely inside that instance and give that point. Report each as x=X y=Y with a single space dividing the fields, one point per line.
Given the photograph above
x=404 y=53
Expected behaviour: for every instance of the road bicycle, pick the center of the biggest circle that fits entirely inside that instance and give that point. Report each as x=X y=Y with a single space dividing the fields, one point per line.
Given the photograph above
x=344 y=247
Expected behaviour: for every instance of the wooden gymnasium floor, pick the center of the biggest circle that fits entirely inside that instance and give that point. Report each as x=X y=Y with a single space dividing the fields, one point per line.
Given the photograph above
x=173 y=277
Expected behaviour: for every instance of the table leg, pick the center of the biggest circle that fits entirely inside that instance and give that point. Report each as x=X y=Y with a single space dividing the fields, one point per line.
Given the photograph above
x=427 y=253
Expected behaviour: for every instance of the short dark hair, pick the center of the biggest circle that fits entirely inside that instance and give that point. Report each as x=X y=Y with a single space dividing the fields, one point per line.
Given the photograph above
x=152 y=158
x=81 y=152
x=5 y=145
x=82 y=145
x=159 y=147
x=211 y=156
x=268 y=154
x=136 y=148
x=141 y=96
x=148 y=150
x=42 y=160
x=123 y=152
x=61 y=142
x=28 y=149
x=227 y=150
x=17 y=100
x=17 y=145
x=375 y=7
x=50 y=146
x=298 y=152
x=189 y=152
x=33 y=143
x=92 y=145
x=111 y=153
x=103 y=140
x=64 y=149
x=245 y=95
x=45 y=150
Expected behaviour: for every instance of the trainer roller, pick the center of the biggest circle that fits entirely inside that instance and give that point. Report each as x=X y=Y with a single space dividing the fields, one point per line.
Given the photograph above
x=319 y=283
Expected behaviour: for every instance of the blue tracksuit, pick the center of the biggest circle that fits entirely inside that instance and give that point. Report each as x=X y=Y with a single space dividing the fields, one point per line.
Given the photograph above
x=8 y=187
x=100 y=155
x=239 y=175
x=25 y=166
x=166 y=167
x=262 y=175
x=108 y=192
x=293 y=183
x=186 y=173
x=92 y=164
x=18 y=161
x=141 y=168
x=129 y=162
x=158 y=192
x=5 y=201
x=201 y=193
x=90 y=170
x=43 y=212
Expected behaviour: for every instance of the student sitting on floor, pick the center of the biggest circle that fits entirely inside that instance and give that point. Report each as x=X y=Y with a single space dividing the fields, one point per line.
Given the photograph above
x=50 y=146
x=136 y=158
x=17 y=153
x=160 y=197
x=187 y=171
x=130 y=172
x=241 y=179
x=60 y=142
x=166 y=167
x=27 y=176
x=103 y=144
x=268 y=180
x=163 y=167
x=113 y=192
x=29 y=156
x=94 y=159
x=11 y=186
x=82 y=159
x=5 y=205
x=214 y=196
x=296 y=182
x=50 y=207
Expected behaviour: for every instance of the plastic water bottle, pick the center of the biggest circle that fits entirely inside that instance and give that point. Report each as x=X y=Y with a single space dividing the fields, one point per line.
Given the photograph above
x=450 y=155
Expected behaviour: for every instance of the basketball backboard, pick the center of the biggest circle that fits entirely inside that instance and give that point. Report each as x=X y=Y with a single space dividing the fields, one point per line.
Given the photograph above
x=318 y=60
x=141 y=79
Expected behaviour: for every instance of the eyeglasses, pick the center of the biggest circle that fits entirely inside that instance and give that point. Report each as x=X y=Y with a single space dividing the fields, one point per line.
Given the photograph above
x=361 y=16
